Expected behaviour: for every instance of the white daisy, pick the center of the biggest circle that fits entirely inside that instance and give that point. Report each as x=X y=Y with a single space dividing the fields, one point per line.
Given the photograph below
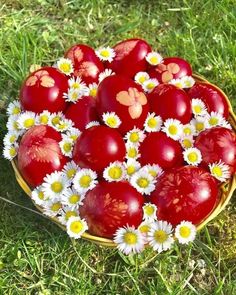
x=154 y=58
x=104 y=74
x=111 y=119
x=177 y=82
x=38 y=196
x=150 y=84
x=65 y=66
x=66 y=146
x=198 y=107
x=10 y=138
x=114 y=172
x=131 y=167
x=52 y=208
x=132 y=151
x=26 y=120
x=84 y=180
x=14 y=108
x=66 y=213
x=141 y=77
x=77 y=83
x=73 y=133
x=220 y=171
x=12 y=123
x=76 y=227
x=192 y=156
x=153 y=123
x=92 y=89
x=106 y=54
x=149 y=212
x=154 y=170
x=160 y=236
x=44 y=118
x=187 y=141
x=55 y=119
x=185 y=232
x=135 y=136
x=144 y=228
x=188 y=130
x=172 y=128
x=70 y=170
x=72 y=198
x=188 y=81
x=54 y=185
x=143 y=182
x=73 y=95
x=91 y=124
x=214 y=119
x=64 y=125
x=199 y=123
x=129 y=240
x=10 y=151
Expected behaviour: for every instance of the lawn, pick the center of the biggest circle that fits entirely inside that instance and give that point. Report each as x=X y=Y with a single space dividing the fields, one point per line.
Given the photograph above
x=36 y=257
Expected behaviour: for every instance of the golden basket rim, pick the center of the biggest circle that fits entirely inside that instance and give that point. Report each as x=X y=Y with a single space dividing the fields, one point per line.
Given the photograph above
x=227 y=188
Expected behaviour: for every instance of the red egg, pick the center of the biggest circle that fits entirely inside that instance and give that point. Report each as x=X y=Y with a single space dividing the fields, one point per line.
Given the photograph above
x=124 y=97
x=86 y=63
x=97 y=147
x=82 y=112
x=130 y=57
x=171 y=68
x=212 y=96
x=43 y=90
x=186 y=193
x=217 y=144
x=39 y=154
x=111 y=205
x=158 y=148
x=168 y=101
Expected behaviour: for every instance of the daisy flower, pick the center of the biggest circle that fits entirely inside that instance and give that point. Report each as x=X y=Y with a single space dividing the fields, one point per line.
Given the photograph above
x=73 y=95
x=77 y=83
x=154 y=58
x=54 y=185
x=10 y=151
x=67 y=145
x=143 y=182
x=12 y=123
x=188 y=81
x=52 y=208
x=65 y=66
x=135 y=136
x=10 y=138
x=188 y=130
x=132 y=151
x=44 y=118
x=66 y=213
x=220 y=171
x=111 y=119
x=160 y=236
x=154 y=170
x=114 y=172
x=26 y=120
x=70 y=170
x=150 y=84
x=153 y=123
x=199 y=123
x=149 y=212
x=185 y=232
x=131 y=167
x=56 y=118
x=144 y=228
x=72 y=198
x=76 y=227
x=38 y=196
x=73 y=133
x=225 y=124
x=14 y=108
x=91 y=124
x=173 y=128
x=129 y=240
x=177 y=82
x=198 y=107
x=187 y=142
x=192 y=156
x=104 y=74
x=84 y=180
x=141 y=77
x=106 y=54
x=214 y=119
x=64 y=125
x=92 y=89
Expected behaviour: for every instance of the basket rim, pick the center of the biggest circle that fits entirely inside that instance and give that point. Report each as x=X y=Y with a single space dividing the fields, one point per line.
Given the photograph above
x=227 y=188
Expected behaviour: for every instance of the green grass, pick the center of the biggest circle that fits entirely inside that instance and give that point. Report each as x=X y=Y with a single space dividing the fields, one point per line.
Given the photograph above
x=36 y=257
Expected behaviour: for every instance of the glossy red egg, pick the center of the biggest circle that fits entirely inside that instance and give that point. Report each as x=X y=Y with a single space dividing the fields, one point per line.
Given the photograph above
x=121 y=95
x=130 y=57
x=186 y=193
x=158 y=148
x=39 y=154
x=82 y=112
x=86 y=63
x=97 y=147
x=217 y=144
x=111 y=205
x=168 y=101
x=212 y=96
x=171 y=68
x=43 y=90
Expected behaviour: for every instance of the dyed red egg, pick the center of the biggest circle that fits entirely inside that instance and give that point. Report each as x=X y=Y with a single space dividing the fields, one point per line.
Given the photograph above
x=39 y=154
x=130 y=57
x=168 y=101
x=97 y=147
x=121 y=95
x=186 y=193
x=171 y=68
x=212 y=96
x=86 y=63
x=43 y=90
x=82 y=112
x=217 y=144
x=111 y=205
x=158 y=148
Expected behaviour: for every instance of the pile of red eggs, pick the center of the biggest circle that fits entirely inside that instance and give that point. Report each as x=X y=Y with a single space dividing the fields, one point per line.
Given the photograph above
x=136 y=89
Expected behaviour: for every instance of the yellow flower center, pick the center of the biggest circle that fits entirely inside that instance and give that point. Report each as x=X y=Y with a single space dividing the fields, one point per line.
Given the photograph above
x=15 y=125
x=41 y=195
x=75 y=85
x=73 y=137
x=56 y=120
x=43 y=119
x=187 y=143
x=112 y=122
x=93 y=92
x=152 y=123
x=56 y=187
x=12 y=139
x=184 y=231
x=134 y=137
x=154 y=60
x=160 y=236
x=150 y=85
x=70 y=214
x=74 y=199
x=188 y=84
x=149 y=210
x=76 y=226
x=153 y=173
x=85 y=181
x=199 y=126
x=67 y=147
x=130 y=238
x=143 y=182
x=105 y=53
x=12 y=152
x=29 y=123
x=197 y=109
x=142 y=79
x=65 y=67
x=216 y=170
x=192 y=157
x=62 y=126
x=115 y=172
x=173 y=130
x=74 y=95
x=56 y=207
x=144 y=229
x=15 y=111
x=213 y=121
x=130 y=170
x=187 y=131
x=132 y=152
x=71 y=173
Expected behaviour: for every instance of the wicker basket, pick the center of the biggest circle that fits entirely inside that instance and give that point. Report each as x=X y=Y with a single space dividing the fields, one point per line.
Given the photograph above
x=227 y=188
